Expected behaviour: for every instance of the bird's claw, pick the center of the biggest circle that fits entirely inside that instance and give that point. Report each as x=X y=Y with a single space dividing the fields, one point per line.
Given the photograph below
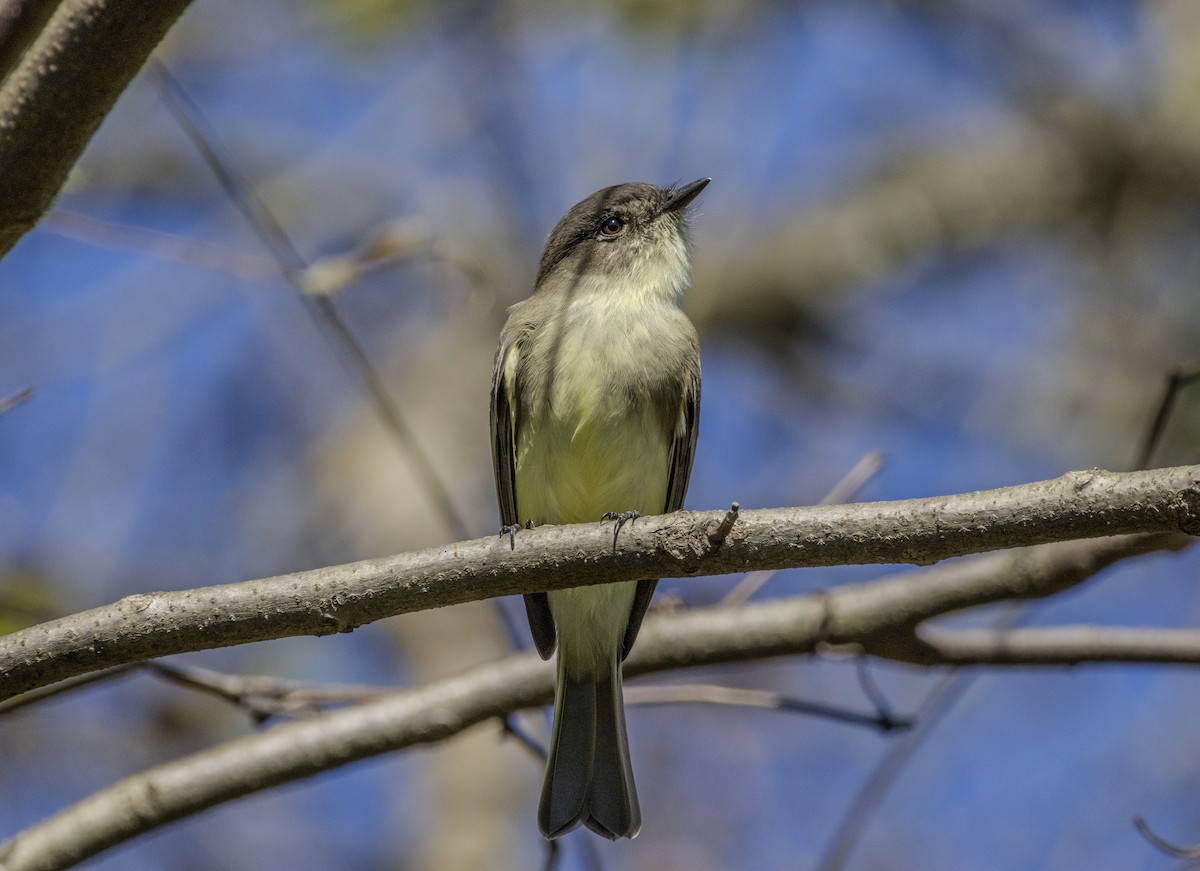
x=511 y=532
x=621 y=519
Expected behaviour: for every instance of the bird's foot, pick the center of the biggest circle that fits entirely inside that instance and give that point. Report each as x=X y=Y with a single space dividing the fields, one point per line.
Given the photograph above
x=621 y=519
x=511 y=532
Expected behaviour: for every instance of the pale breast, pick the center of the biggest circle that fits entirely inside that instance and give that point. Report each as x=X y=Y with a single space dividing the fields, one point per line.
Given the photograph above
x=603 y=441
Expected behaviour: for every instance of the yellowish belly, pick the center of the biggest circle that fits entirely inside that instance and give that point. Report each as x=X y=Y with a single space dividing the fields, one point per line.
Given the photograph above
x=574 y=469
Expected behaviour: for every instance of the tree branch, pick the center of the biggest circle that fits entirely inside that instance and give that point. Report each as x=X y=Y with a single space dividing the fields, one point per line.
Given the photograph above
x=342 y=598
x=868 y=614
x=57 y=95
x=1057 y=645
x=20 y=22
x=767 y=700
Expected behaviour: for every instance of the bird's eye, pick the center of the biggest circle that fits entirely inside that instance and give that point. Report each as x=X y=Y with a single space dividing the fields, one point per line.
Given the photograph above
x=612 y=226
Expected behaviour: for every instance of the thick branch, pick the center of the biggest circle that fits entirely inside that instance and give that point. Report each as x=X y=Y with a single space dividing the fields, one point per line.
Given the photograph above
x=341 y=598
x=56 y=97
x=862 y=613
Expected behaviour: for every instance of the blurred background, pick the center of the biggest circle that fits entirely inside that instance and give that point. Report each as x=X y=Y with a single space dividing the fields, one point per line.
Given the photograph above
x=958 y=232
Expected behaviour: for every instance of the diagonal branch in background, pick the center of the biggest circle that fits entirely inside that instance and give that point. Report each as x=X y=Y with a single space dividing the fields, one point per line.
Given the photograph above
x=1177 y=379
x=57 y=95
x=342 y=598
x=766 y=700
x=8 y=403
x=864 y=613
x=319 y=307
x=262 y=696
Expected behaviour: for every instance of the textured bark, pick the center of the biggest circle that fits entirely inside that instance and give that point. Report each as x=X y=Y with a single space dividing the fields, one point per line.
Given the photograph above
x=61 y=89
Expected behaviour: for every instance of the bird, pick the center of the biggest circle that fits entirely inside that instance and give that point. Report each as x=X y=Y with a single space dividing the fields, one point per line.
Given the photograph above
x=595 y=407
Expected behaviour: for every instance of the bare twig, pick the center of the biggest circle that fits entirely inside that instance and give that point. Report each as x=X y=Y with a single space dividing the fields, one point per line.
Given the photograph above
x=860 y=473
x=1004 y=644
x=389 y=244
x=41 y=694
x=522 y=736
x=712 y=694
x=872 y=691
x=744 y=590
x=1162 y=844
x=1177 y=380
x=720 y=531
x=263 y=696
x=8 y=403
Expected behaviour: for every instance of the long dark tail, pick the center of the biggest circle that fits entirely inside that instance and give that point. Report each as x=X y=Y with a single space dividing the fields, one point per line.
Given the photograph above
x=588 y=776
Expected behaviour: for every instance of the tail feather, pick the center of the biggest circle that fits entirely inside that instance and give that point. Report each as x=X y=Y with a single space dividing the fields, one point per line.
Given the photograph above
x=566 y=788
x=589 y=779
x=614 y=805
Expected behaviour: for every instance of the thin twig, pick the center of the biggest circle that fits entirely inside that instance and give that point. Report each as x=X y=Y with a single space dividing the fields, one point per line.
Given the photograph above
x=720 y=531
x=41 y=694
x=1054 y=646
x=264 y=696
x=522 y=736
x=1177 y=379
x=744 y=590
x=712 y=694
x=8 y=403
x=867 y=467
x=1165 y=846
x=872 y=690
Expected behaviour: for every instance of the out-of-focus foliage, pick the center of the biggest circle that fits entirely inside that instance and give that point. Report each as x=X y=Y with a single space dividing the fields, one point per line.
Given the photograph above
x=26 y=599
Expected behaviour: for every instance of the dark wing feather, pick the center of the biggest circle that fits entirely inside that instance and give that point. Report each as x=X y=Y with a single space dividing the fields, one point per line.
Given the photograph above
x=683 y=449
x=504 y=462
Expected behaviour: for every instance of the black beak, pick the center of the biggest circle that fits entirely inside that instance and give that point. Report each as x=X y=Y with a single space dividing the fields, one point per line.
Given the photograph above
x=681 y=196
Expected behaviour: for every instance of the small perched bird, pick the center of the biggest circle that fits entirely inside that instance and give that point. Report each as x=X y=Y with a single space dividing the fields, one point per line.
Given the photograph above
x=595 y=406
